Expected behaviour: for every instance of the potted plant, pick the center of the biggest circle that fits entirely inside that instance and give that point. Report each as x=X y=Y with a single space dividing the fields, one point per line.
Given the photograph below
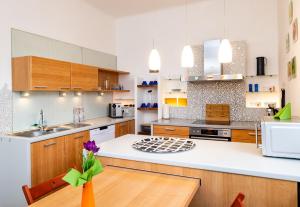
x=90 y=167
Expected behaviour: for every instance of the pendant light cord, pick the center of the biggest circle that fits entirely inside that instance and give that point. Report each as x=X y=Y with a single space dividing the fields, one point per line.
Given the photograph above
x=186 y=21
x=224 y=10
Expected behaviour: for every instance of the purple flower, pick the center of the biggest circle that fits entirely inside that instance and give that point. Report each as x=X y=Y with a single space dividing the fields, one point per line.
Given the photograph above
x=91 y=146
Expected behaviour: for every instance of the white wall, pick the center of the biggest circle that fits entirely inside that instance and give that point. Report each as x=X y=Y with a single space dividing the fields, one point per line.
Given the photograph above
x=292 y=86
x=254 y=21
x=73 y=21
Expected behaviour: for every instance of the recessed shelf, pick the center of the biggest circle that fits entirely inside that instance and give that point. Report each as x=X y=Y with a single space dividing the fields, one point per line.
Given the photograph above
x=147 y=109
x=261 y=92
x=147 y=86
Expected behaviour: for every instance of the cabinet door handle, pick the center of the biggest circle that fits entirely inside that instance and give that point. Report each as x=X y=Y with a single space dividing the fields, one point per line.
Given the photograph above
x=65 y=88
x=253 y=134
x=40 y=86
x=50 y=144
x=76 y=88
x=170 y=129
x=79 y=137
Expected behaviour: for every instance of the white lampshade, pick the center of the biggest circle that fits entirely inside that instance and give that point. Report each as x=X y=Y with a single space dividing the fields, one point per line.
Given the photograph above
x=225 y=52
x=154 y=61
x=187 y=57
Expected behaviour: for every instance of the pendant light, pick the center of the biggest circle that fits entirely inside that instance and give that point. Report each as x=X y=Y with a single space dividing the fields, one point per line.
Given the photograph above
x=225 y=50
x=187 y=55
x=154 y=60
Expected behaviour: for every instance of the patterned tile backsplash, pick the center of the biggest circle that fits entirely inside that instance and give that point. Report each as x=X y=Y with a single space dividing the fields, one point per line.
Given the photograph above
x=5 y=109
x=231 y=92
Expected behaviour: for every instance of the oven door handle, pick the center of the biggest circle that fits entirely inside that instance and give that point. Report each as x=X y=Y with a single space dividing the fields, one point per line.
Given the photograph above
x=211 y=138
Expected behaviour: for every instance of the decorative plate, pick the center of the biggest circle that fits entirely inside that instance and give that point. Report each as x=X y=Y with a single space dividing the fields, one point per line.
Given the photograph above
x=163 y=145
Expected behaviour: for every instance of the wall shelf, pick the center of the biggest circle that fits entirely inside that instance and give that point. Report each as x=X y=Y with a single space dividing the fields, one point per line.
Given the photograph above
x=114 y=71
x=260 y=92
x=147 y=109
x=113 y=91
x=261 y=76
x=147 y=86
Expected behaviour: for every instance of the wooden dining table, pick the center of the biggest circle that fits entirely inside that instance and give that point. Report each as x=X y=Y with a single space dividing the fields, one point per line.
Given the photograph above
x=118 y=187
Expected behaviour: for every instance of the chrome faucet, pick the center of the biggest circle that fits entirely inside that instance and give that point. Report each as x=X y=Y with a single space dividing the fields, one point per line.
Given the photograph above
x=42 y=124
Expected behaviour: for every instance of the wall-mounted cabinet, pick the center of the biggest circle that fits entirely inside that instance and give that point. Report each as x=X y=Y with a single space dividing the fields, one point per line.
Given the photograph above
x=32 y=73
x=40 y=74
x=84 y=77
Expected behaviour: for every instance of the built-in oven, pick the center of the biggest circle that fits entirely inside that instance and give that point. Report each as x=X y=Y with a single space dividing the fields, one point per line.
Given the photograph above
x=210 y=134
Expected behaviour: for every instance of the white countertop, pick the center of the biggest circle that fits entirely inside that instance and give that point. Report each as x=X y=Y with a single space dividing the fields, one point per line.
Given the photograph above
x=94 y=123
x=229 y=157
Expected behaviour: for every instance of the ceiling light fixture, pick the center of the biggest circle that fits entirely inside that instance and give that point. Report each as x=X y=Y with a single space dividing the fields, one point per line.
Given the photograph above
x=225 y=51
x=154 y=61
x=187 y=55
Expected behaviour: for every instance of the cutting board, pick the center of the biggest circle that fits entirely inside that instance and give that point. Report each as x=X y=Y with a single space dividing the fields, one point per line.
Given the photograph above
x=217 y=112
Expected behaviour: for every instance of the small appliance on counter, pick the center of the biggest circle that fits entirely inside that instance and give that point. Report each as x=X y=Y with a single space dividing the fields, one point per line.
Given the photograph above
x=128 y=110
x=271 y=110
x=261 y=65
x=281 y=138
x=116 y=110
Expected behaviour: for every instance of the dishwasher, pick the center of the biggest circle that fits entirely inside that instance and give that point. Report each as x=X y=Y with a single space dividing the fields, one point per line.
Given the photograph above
x=102 y=134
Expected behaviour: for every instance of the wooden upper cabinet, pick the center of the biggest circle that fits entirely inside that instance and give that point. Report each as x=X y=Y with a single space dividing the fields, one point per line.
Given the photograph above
x=84 y=77
x=40 y=74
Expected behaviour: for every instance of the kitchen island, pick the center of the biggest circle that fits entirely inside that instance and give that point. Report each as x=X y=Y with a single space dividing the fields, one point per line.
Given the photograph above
x=225 y=169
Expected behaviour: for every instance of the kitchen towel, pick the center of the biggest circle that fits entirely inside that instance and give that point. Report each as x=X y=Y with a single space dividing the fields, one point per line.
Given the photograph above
x=285 y=113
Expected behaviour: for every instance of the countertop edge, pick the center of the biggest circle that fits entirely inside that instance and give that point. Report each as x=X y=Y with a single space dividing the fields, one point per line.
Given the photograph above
x=207 y=167
x=68 y=132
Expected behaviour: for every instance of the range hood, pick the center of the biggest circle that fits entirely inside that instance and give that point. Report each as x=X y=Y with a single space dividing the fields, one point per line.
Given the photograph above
x=213 y=69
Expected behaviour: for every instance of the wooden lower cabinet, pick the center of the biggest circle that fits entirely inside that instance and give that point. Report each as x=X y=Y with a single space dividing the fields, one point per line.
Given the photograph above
x=47 y=159
x=171 y=131
x=55 y=156
x=220 y=189
x=245 y=136
x=73 y=147
x=123 y=128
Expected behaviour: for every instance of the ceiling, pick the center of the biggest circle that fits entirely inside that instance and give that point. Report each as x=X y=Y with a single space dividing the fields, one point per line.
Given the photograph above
x=121 y=8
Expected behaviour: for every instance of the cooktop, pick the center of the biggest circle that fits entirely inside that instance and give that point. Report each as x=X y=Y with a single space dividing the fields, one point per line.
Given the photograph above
x=203 y=122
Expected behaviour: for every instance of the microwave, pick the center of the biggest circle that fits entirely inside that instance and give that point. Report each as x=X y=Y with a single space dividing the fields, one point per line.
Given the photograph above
x=281 y=138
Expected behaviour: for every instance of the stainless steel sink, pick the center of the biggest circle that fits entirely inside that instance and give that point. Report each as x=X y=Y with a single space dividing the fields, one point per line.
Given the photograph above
x=76 y=125
x=37 y=133
x=50 y=130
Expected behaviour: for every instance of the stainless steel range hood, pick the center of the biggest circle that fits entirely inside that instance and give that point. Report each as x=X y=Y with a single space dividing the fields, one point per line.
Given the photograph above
x=213 y=70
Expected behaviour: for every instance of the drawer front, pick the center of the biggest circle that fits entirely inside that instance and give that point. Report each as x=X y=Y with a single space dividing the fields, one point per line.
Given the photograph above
x=174 y=131
x=246 y=136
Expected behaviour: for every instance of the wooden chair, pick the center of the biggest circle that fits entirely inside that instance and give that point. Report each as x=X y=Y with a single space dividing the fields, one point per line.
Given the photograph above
x=238 y=202
x=37 y=192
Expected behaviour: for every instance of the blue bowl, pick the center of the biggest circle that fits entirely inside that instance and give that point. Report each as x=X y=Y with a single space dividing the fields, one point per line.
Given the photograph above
x=144 y=83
